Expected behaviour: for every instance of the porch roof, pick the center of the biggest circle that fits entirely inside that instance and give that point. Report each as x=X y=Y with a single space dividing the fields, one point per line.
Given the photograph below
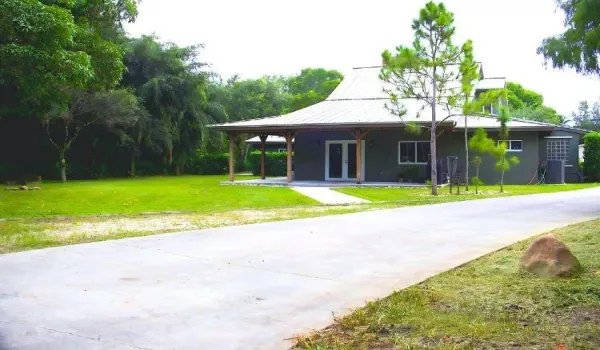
x=360 y=102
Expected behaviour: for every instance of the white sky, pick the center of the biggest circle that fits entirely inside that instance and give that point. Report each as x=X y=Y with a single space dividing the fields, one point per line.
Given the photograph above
x=272 y=37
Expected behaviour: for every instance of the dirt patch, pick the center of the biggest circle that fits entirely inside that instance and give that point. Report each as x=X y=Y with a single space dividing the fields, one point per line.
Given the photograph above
x=65 y=228
x=580 y=315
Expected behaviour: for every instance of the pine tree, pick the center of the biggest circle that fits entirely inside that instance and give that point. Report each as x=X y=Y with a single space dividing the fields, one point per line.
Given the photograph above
x=433 y=70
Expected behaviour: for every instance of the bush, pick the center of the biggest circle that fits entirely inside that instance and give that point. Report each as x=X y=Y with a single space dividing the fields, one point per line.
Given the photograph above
x=275 y=163
x=210 y=164
x=591 y=162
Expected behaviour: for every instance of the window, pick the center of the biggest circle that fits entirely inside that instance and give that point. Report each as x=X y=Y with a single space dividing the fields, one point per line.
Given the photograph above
x=558 y=149
x=282 y=150
x=513 y=145
x=490 y=109
x=413 y=152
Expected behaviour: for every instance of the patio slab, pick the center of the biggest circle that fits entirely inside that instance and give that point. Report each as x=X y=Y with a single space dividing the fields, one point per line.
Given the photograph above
x=281 y=181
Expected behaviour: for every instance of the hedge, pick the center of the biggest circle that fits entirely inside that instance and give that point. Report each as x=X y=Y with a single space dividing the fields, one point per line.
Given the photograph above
x=275 y=163
x=210 y=164
x=591 y=157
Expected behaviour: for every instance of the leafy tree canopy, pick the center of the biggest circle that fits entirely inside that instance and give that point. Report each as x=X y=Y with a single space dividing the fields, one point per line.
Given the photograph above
x=528 y=104
x=586 y=117
x=311 y=86
x=519 y=97
x=579 y=46
x=50 y=46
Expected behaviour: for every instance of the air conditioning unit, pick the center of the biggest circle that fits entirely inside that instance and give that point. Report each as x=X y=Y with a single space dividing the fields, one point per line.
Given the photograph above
x=555 y=172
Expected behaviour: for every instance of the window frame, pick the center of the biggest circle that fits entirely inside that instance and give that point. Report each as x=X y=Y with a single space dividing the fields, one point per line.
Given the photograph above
x=509 y=142
x=566 y=149
x=400 y=162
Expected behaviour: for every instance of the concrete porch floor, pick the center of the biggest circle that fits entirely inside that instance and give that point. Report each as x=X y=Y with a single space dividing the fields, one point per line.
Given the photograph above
x=281 y=181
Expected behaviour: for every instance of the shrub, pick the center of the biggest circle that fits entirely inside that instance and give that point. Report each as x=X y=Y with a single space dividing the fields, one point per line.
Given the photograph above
x=275 y=163
x=591 y=162
x=210 y=164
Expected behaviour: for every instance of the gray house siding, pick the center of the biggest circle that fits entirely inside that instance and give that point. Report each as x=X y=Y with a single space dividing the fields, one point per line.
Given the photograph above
x=381 y=155
x=572 y=168
x=452 y=144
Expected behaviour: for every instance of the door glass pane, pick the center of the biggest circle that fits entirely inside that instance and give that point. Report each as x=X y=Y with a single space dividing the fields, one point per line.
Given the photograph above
x=335 y=160
x=352 y=161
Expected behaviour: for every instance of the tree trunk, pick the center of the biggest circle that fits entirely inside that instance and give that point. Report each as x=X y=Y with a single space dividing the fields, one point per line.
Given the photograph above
x=502 y=177
x=132 y=169
x=466 y=157
x=477 y=183
x=434 y=184
x=63 y=167
x=134 y=153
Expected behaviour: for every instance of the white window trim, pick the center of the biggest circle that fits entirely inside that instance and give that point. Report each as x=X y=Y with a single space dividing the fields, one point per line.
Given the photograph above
x=416 y=150
x=559 y=138
x=508 y=149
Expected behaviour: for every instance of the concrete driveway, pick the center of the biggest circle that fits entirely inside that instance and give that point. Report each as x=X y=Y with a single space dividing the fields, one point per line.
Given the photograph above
x=253 y=287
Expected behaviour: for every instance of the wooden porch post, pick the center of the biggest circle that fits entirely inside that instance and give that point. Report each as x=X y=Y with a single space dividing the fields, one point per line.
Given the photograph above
x=288 y=139
x=263 y=141
x=231 y=157
x=359 y=135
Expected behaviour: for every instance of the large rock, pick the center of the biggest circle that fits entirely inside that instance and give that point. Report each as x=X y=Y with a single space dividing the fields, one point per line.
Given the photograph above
x=549 y=257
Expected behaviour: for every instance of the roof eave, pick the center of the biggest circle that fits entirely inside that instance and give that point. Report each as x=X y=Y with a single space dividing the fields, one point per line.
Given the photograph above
x=324 y=127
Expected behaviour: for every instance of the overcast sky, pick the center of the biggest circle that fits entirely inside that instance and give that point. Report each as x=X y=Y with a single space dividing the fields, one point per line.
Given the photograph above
x=272 y=37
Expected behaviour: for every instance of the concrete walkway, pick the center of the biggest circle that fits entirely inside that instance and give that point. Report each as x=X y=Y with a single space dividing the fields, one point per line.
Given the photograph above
x=252 y=287
x=328 y=196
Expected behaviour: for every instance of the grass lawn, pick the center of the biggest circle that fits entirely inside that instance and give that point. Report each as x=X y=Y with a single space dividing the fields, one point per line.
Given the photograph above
x=419 y=196
x=134 y=196
x=87 y=211
x=486 y=304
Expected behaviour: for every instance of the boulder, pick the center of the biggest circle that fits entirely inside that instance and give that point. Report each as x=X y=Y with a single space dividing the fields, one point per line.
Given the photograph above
x=549 y=257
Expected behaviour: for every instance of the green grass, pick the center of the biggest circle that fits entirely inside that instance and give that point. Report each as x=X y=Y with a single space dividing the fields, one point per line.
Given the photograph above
x=419 y=196
x=134 y=196
x=489 y=303
x=62 y=214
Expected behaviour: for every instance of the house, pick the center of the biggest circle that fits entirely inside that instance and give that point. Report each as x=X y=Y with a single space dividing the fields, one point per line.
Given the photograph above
x=352 y=136
x=272 y=143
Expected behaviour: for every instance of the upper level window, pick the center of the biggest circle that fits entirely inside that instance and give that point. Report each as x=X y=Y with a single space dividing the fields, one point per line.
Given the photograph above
x=558 y=149
x=490 y=109
x=513 y=145
x=413 y=152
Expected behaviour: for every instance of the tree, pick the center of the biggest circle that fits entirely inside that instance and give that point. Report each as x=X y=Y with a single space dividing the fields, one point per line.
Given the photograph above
x=116 y=108
x=543 y=114
x=528 y=104
x=503 y=163
x=253 y=98
x=174 y=88
x=428 y=72
x=49 y=47
x=587 y=118
x=519 y=97
x=579 y=46
x=311 y=86
x=481 y=143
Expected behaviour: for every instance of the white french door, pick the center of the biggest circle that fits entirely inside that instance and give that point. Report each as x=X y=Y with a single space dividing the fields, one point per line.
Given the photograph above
x=340 y=160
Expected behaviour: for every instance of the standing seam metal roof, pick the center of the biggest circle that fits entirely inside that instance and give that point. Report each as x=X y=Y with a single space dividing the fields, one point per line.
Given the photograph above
x=360 y=100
